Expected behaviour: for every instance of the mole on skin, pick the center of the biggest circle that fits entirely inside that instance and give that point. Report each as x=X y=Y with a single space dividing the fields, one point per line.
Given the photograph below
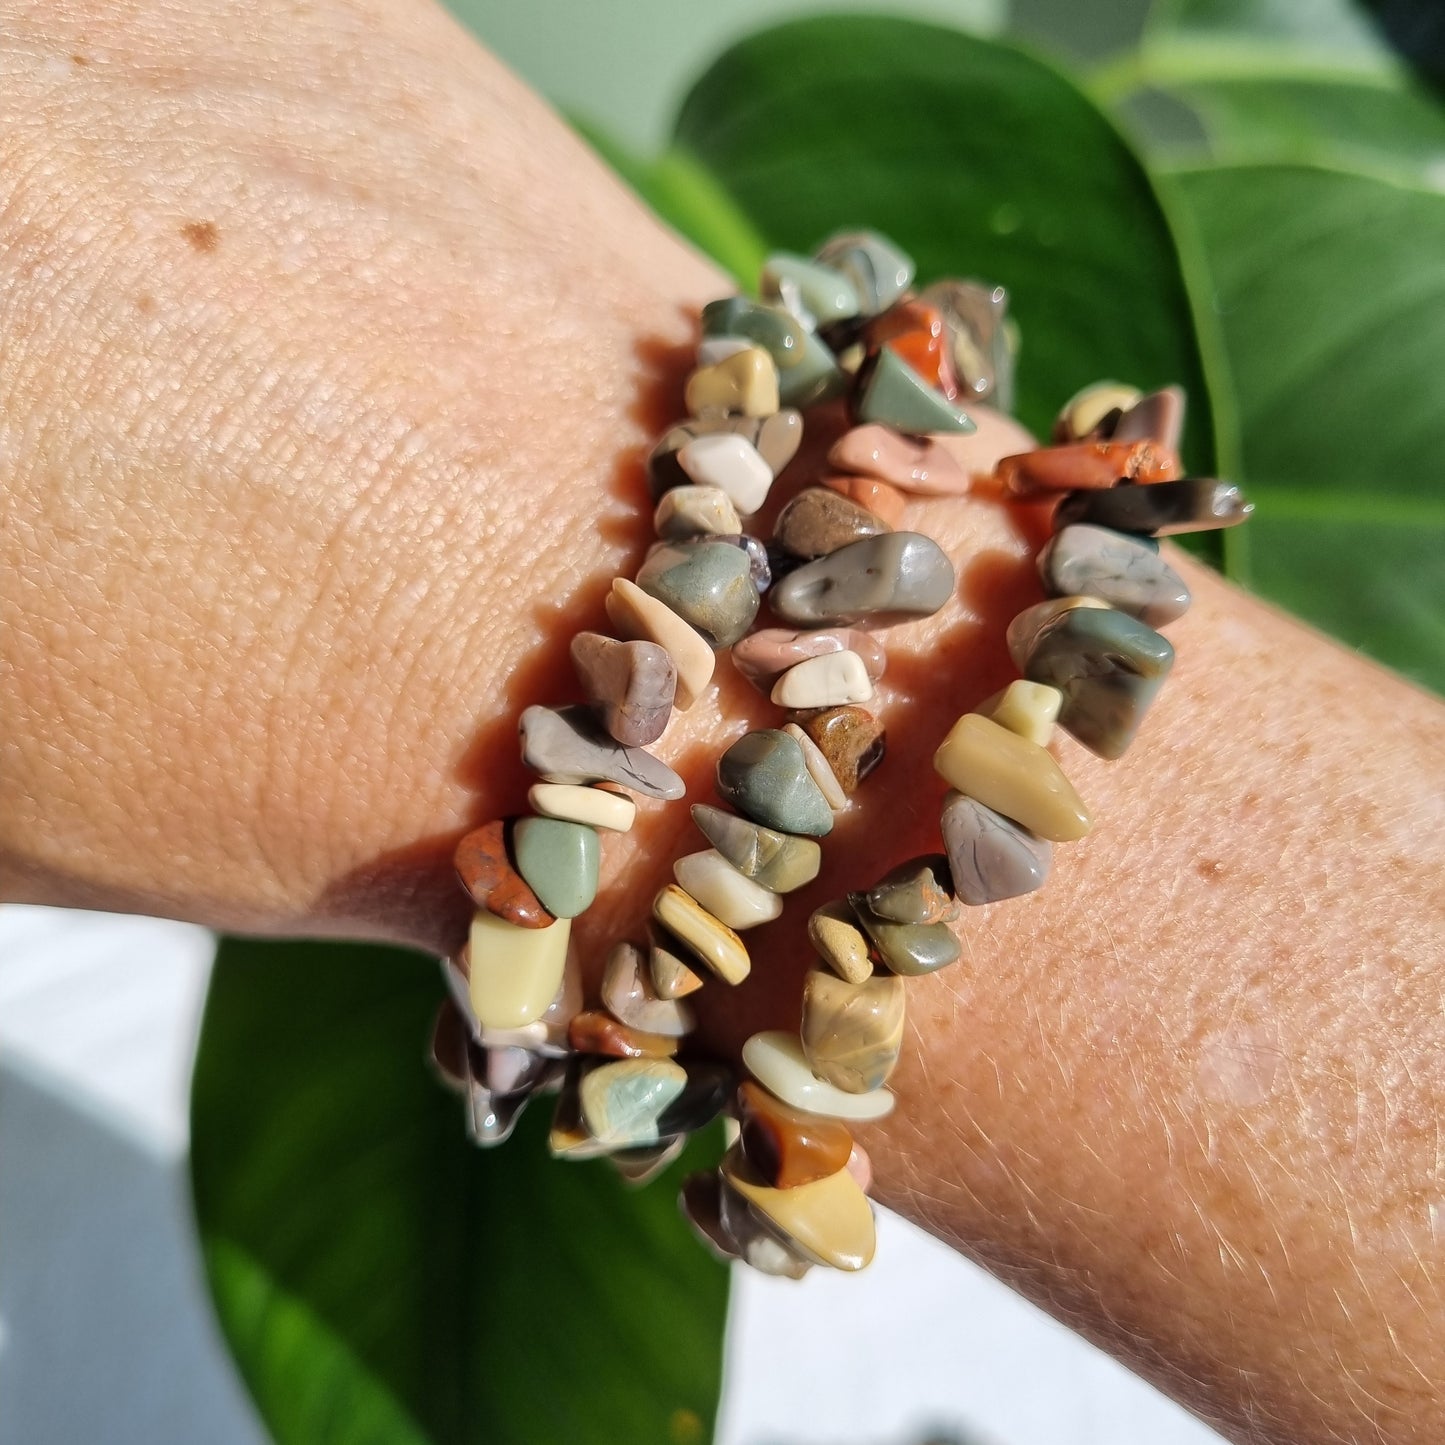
x=203 y=235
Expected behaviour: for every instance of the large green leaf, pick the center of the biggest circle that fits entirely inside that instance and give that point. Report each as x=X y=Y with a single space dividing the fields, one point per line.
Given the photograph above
x=1329 y=293
x=977 y=158
x=1280 y=80
x=378 y=1279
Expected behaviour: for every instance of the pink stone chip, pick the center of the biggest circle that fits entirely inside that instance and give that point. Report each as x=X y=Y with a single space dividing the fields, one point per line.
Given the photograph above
x=920 y=465
x=764 y=656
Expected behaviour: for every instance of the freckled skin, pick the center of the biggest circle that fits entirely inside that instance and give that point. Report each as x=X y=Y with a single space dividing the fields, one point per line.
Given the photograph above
x=296 y=525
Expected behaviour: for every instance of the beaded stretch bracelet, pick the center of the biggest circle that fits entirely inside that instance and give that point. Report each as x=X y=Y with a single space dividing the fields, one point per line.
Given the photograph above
x=791 y=1190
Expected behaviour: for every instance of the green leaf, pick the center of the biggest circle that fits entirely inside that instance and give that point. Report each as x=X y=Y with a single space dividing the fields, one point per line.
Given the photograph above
x=979 y=160
x=1329 y=294
x=1386 y=125
x=380 y=1280
x=1279 y=80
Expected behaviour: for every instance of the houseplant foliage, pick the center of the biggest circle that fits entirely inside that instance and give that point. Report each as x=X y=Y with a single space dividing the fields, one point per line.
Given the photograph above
x=379 y=1280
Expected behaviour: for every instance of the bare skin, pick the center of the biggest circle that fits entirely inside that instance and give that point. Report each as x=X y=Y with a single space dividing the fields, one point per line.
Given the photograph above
x=328 y=358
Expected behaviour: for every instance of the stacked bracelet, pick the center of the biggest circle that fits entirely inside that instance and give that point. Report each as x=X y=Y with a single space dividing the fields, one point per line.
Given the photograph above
x=791 y=1190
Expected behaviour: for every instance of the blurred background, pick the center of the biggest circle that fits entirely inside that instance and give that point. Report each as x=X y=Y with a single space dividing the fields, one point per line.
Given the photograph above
x=106 y=1330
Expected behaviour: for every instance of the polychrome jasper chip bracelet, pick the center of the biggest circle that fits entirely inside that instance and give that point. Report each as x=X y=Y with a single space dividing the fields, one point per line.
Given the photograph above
x=791 y=1191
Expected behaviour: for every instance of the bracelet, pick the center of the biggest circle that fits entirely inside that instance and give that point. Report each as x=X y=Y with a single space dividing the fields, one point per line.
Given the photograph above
x=791 y=1190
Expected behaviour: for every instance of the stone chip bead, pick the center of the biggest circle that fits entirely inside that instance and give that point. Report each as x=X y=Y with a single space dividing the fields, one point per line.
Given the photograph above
x=990 y=857
x=765 y=777
x=830 y=681
x=828 y=1221
x=1158 y=417
x=514 y=973
x=729 y=1228
x=1029 y=709
x=708 y=1088
x=877 y=270
x=643 y=1164
x=569 y=1137
x=621 y=1103
x=808 y=289
x=671 y=976
x=852 y=1033
x=732 y=899
x=786 y=1146
x=851 y=739
x=706 y=937
x=807 y=371
x=884 y=500
x=630 y=684
x=594 y=1031
x=1025 y=629
x=698 y=511
x=819 y=520
x=764 y=656
x=833 y=930
x=1109 y=667
x=893 y=393
x=1158 y=509
x=1012 y=776
x=708 y=584
x=597 y=807
x=745 y=382
x=712 y=349
x=546 y=1035
x=818 y=768
x=560 y=861
x=1093 y=412
x=627 y=991
x=918 y=891
x=1047 y=471
x=497 y=1082
x=913 y=331
x=776 y=861
x=1127 y=573
x=636 y=614
x=565 y=745
x=909 y=949
x=920 y=465
x=886 y=579
x=731 y=464
x=776 y=439
x=776 y=1060
x=981 y=338
x=484 y=865
x=760 y=562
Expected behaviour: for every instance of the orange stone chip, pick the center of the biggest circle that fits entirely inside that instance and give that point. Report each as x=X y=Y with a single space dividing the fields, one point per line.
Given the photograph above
x=594 y=1031
x=913 y=330
x=882 y=499
x=787 y=1147
x=1082 y=466
x=486 y=871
